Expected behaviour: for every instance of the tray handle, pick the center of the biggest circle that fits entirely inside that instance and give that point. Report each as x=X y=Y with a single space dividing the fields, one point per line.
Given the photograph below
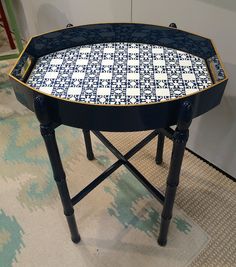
x=216 y=70
x=27 y=68
x=24 y=67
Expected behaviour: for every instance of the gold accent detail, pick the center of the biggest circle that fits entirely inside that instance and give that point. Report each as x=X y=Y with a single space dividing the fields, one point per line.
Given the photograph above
x=121 y=105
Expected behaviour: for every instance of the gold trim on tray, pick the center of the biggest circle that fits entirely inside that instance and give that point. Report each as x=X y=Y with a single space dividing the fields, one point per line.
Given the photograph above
x=118 y=105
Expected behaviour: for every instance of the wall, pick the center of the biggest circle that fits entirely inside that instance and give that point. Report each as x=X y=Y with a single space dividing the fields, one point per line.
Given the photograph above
x=212 y=135
x=42 y=15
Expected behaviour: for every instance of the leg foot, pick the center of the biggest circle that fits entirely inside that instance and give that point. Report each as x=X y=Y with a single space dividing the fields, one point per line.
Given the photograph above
x=75 y=240
x=75 y=237
x=162 y=239
x=68 y=208
x=162 y=242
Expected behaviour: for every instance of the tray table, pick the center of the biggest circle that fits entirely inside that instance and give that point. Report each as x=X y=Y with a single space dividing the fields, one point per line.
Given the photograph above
x=119 y=77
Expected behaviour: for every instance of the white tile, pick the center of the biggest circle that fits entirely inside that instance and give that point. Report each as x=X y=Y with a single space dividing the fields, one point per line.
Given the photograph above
x=133 y=50
x=109 y=50
x=191 y=91
x=74 y=91
x=157 y=50
x=107 y=62
x=56 y=61
x=185 y=63
x=82 y=62
x=133 y=62
x=160 y=76
x=133 y=91
x=78 y=75
x=85 y=50
x=103 y=91
x=188 y=76
x=47 y=90
x=162 y=92
x=159 y=62
x=133 y=76
x=105 y=75
x=51 y=75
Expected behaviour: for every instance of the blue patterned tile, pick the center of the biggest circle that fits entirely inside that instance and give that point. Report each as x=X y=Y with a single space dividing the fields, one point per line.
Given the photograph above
x=120 y=73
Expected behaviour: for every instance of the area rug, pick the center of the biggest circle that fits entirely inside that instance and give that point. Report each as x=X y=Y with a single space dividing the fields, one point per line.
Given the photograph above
x=119 y=221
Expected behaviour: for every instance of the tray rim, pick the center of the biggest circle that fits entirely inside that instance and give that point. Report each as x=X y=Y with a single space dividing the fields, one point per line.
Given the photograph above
x=120 y=105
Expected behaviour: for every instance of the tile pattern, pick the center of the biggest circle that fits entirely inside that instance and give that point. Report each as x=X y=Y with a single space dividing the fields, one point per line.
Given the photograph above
x=120 y=73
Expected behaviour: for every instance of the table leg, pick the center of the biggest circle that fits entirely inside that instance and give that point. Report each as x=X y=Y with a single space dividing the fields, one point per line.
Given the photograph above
x=88 y=144
x=160 y=146
x=48 y=133
x=180 y=138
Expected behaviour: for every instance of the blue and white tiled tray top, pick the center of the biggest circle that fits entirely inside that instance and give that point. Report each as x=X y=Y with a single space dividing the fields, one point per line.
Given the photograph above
x=119 y=73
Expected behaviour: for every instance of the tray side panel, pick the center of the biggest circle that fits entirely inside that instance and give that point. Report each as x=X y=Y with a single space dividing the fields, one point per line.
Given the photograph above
x=120 y=118
x=121 y=32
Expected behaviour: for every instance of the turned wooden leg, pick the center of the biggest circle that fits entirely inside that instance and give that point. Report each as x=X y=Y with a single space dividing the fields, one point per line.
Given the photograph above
x=180 y=138
x=48 y=134
x=160 y=147
x=88 y=144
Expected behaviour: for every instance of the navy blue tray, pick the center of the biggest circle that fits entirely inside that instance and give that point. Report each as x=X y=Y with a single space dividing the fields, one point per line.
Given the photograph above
x=119 y=77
